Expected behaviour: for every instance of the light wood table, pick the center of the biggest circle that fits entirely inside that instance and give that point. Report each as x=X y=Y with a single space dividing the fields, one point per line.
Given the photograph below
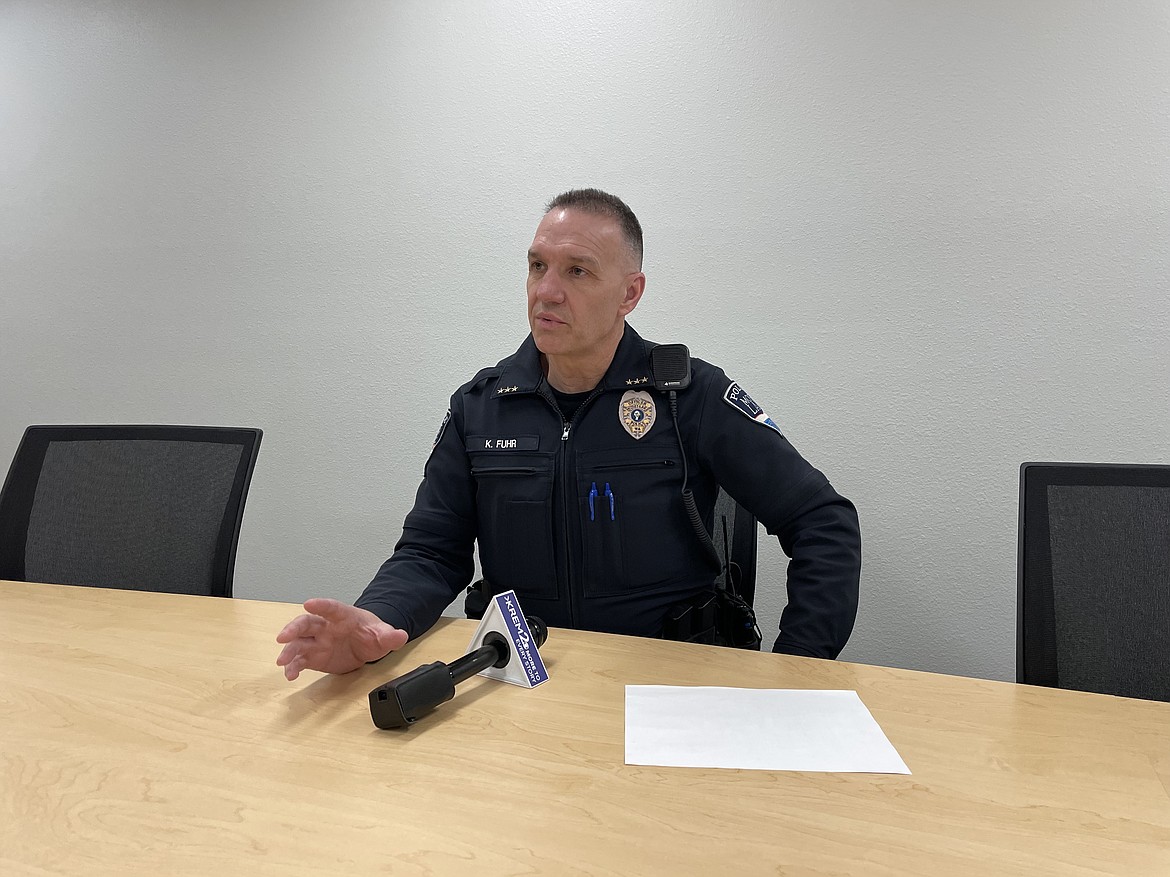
x=152 y=734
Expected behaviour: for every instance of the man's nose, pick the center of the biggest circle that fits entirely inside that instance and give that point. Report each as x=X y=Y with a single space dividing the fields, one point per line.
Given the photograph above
x=549 y=288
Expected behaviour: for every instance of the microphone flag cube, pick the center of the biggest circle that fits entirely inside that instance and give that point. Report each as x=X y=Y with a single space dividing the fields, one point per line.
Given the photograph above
x=503 y=616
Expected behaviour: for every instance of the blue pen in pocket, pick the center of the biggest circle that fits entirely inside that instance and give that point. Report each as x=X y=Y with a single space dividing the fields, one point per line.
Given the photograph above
x=592 y=496
x=609 y=496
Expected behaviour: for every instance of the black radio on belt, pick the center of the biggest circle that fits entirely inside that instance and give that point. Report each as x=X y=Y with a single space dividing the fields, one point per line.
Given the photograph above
x=693 y=620
x=720 y=617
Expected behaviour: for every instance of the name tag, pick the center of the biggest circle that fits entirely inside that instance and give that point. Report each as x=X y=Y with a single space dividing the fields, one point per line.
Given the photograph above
x=503 y=443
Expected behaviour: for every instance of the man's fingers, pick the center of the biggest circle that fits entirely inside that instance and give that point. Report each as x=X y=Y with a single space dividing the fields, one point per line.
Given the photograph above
x=334 y=637
x=374 y=642
x=330 y=610
x=392 y=638
x=296 y=647
x=293 y=670
x=302 y=625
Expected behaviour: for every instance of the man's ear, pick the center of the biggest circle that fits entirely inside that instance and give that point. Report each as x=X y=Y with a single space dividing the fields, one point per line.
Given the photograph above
x=635 y=286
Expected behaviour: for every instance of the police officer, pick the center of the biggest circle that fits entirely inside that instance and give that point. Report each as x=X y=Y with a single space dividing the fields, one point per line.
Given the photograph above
x=567 y=464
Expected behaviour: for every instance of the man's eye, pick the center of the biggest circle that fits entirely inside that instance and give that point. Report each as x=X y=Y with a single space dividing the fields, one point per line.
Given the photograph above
x=578 y=271
x=535 y=265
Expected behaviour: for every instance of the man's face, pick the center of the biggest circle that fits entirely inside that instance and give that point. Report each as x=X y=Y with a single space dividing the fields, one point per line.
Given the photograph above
x=582 y=281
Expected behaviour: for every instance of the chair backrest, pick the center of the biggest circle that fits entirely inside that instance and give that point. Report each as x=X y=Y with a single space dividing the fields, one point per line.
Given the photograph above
x=1093 y=578
x=149 y=508
x=734 y=535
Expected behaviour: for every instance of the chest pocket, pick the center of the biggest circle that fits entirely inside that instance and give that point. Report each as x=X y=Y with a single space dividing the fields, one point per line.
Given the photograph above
x=513 y=496
x=634 y=529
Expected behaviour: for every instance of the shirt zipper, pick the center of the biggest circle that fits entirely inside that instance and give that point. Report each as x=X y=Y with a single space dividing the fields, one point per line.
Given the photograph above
x=562 y=465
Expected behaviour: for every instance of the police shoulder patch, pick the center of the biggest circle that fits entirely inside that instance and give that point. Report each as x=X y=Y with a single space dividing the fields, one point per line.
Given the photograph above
x=442 y=429
x=737 y=398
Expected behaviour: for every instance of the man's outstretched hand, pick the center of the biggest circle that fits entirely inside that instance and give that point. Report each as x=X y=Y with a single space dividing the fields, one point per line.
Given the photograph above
x=335 y=637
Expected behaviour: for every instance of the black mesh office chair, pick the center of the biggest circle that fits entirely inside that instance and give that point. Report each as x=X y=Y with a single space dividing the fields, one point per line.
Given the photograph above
x=1093 y=572
x=734 y=533
x=147 y=508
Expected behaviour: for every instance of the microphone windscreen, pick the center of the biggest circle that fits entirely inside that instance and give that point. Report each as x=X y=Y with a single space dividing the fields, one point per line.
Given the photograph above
x=539 y=629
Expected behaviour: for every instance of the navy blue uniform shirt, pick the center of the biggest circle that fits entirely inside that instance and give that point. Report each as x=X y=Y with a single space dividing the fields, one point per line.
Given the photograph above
x=587 y=524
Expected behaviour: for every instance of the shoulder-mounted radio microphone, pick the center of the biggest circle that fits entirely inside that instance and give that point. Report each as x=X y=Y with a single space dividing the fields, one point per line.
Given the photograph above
x=670 y=366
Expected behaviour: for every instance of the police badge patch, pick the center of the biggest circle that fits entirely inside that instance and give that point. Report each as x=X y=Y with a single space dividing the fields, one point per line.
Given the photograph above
x=746 y=405
x=636 y=412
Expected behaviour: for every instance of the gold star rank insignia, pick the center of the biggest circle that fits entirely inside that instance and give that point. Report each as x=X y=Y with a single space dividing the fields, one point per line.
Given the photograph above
x=636 y=412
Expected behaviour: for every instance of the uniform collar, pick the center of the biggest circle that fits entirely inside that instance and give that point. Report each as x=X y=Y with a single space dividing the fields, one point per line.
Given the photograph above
x=629 y=369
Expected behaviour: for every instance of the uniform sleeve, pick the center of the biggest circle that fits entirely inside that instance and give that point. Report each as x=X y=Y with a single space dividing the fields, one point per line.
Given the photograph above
x=433 y=560
x=816 y=526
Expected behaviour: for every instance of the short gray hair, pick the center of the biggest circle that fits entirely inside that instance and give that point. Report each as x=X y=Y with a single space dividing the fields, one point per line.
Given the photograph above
x=604 y=204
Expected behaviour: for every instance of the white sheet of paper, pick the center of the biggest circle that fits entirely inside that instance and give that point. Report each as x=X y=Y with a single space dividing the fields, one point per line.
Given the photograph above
x=755 y=729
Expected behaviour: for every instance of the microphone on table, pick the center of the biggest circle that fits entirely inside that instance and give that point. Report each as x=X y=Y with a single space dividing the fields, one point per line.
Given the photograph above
x=402 y=701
